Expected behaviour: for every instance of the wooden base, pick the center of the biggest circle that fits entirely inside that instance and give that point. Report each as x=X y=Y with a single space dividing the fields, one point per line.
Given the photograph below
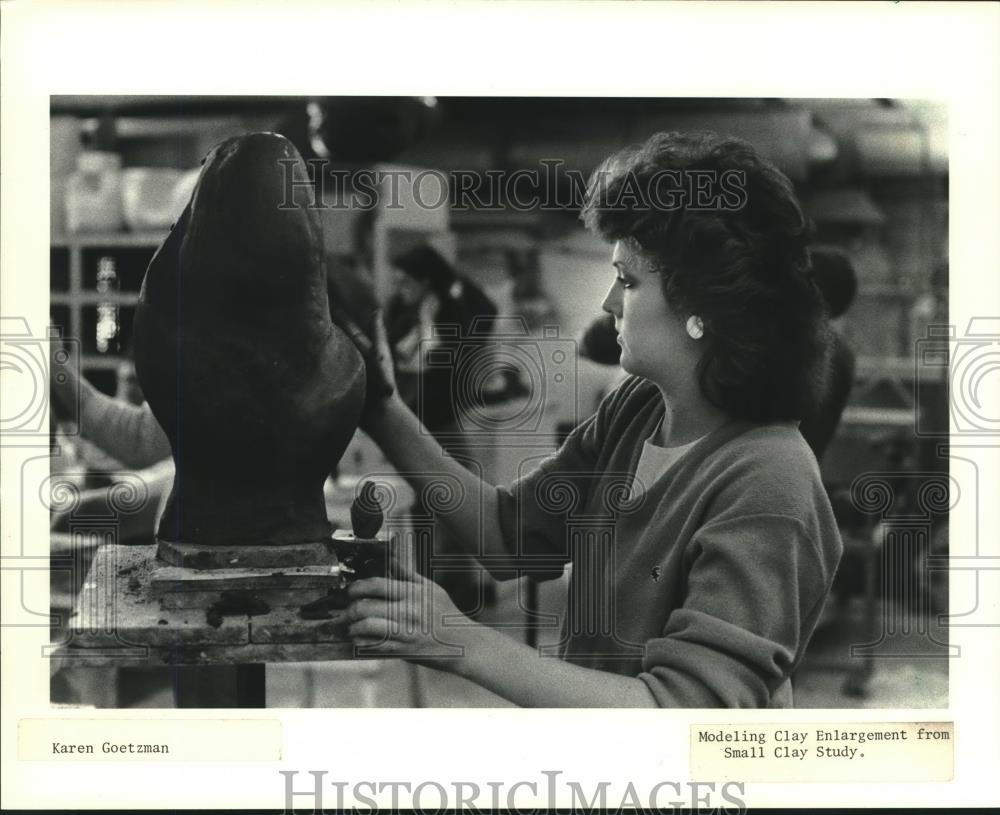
x=118 y=620
x=177 y=587
x=194 y=556
x=257 y=579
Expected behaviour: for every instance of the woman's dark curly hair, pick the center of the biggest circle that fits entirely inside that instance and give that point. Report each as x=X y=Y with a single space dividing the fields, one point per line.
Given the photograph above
x=739 y=262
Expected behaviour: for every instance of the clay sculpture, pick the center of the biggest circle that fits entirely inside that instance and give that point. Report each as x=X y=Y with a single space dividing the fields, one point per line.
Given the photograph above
x=258 y=391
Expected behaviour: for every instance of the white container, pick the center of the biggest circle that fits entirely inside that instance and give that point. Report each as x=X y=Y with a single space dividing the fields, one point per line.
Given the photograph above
x=64 y=147
x=149 y=197
x=93 y=193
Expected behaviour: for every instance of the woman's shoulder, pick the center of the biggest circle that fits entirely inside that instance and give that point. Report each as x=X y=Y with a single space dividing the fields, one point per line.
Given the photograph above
x=768 y=474
x=765 y=468
x=750 y=440
x=776 y=440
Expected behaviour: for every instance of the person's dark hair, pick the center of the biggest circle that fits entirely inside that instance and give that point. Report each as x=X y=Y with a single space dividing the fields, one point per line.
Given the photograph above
x=834 y=274
x=425 y=263
x=740 y=263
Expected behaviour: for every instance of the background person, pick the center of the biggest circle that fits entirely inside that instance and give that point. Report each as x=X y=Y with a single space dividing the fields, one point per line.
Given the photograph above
x=431 y=297
x=124 y=430
x=838 y=283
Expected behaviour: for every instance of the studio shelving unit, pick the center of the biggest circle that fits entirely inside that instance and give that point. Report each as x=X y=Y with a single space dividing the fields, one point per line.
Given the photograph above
x=94 y=289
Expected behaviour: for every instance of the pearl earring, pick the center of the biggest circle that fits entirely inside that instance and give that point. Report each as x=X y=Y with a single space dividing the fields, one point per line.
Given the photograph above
x=695 y=327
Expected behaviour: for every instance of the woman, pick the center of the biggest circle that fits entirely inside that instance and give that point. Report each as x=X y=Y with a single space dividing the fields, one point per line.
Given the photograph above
x=701 y=540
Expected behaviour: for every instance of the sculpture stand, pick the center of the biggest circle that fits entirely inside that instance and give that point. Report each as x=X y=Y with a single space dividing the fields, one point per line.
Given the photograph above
x=137 y=608
x=234 y=581
x=253 y=580
x=133 y=611
x=244 y=581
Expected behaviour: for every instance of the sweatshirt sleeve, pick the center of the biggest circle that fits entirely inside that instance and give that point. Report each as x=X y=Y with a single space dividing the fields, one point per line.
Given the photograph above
x=533 y=510
x=129 y=433
x=755 y=590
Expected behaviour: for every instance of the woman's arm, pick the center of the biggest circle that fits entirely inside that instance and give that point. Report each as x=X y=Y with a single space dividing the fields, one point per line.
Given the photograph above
x=138 y=525
x=412 y=617
x=508 y=530
x=518 y=673
x=419 y=458
x=474 y=524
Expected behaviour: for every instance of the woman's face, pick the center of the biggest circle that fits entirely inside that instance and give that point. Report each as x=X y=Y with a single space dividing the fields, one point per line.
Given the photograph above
x=654 y=341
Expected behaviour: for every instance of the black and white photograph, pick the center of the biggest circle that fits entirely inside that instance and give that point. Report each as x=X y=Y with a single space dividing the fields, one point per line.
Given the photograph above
x=545 y=402
x=474 y=405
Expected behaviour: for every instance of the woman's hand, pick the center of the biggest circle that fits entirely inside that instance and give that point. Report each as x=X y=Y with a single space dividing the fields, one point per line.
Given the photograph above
x=377 y=355
x=406 y=615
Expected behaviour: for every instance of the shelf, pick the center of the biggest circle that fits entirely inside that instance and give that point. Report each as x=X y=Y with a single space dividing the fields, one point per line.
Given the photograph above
x=900 y=291
x=899 y=368
x=93 y=362
x=93 y=298
x=109 y=239
x=877 y=417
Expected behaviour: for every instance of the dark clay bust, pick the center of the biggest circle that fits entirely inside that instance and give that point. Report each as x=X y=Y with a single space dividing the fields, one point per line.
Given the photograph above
x=256 y=388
